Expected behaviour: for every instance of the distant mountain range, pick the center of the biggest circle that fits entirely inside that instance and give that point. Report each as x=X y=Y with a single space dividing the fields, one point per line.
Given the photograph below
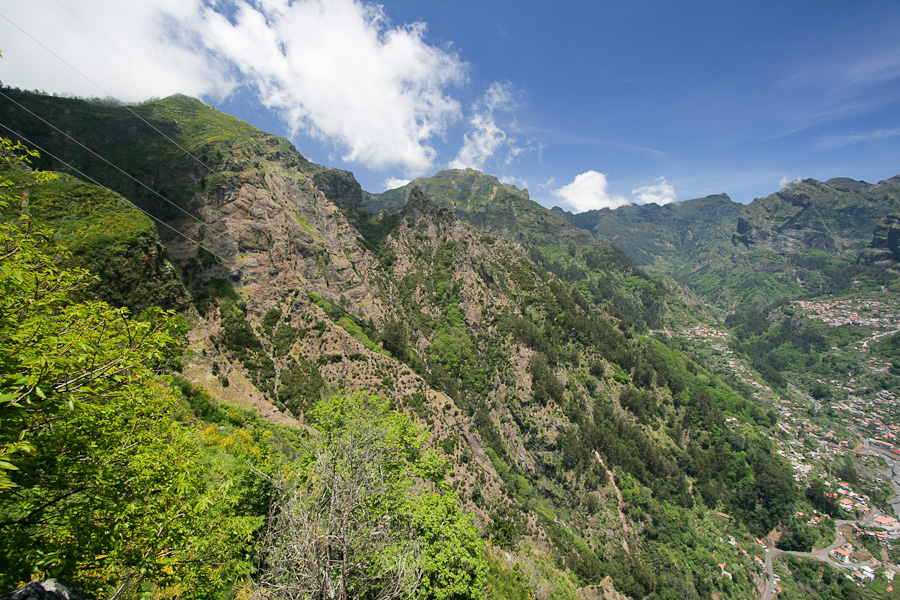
x=807 y=238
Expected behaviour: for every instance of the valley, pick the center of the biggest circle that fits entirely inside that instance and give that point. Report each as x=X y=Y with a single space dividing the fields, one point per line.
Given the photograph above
x=545 y=417
x=843 y=440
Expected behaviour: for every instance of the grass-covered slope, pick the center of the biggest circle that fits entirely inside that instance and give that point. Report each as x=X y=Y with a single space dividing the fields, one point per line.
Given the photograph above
x=194 y=148
x=105 y=234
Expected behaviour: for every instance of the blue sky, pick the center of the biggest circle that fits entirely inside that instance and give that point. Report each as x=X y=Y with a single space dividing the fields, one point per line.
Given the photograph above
x=587 y=104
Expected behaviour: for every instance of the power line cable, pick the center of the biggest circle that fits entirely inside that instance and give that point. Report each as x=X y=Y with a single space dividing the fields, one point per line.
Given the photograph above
x=208 y=168
x=95 y=182
x=120 y=170
x=353 y=318
x=105 y=39
x=125 y=106
x=335 y=306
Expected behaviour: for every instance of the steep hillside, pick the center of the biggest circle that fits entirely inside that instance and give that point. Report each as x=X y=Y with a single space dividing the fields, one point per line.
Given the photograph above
x=585 y=451
x=601 y=270
x=805 y=239
x=664 y=239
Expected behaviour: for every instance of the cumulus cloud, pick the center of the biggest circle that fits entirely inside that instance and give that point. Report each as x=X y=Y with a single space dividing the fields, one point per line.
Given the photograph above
x=659 y=193
x=97 y=48
x=336 y=69
x=392 y=183
x=485 y=138
x=588 y=191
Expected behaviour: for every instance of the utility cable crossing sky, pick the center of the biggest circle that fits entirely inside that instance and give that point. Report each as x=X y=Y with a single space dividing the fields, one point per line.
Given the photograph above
x=588 y=106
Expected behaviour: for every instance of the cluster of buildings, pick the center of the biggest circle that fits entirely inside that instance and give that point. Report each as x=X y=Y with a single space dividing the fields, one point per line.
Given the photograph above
x=826 y=444
x=878 y=415
x=703 y=333
x=810 y=447
x=884 y=529
x=870 y=313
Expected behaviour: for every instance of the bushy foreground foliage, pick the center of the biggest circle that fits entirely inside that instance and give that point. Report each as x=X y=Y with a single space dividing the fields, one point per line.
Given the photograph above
x=363 y=515
x=101 y=482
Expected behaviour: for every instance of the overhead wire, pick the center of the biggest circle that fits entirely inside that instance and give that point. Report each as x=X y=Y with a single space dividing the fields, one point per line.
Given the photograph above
x=97 y=183
x=117 y=168
x=352 y=317
x=124 y=105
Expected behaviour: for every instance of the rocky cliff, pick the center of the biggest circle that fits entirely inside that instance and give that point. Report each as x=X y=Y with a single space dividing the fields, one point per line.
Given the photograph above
x=833 y=216
x=885 y=246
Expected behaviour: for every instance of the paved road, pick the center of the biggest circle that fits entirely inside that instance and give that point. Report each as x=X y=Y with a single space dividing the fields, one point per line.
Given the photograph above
x=821 y=554
x=839 y=540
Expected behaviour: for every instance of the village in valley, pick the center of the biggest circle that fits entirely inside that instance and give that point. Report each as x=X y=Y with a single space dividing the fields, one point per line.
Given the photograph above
x=847 y=440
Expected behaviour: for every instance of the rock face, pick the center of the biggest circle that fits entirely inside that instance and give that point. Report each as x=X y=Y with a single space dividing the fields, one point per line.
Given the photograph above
x=885 y=246
x=834 y=217
x=50 y=589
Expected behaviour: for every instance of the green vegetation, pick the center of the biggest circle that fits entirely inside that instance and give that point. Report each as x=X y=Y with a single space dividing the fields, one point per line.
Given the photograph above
x=778 y=346
x=591 y=454
x=351 y=522
x=889 y=349
x=100 y=460
x=821 y=581
x=132 y=484
x=602 y=271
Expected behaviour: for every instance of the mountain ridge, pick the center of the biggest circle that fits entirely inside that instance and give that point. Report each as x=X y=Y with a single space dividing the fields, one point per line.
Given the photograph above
x=585 y=450
x=805 y=238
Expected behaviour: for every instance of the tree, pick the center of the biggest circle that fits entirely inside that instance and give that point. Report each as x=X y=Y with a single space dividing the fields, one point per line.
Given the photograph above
x=100 y=482
x=819 y=496
x=362 y=518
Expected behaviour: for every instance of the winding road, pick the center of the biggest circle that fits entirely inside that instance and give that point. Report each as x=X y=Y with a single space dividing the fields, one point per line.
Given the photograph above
x=822 y=554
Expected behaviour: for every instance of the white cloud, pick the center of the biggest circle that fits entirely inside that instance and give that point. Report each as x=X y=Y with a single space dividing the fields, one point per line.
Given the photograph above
x=335 y=69
x=786 y=181
x=485 y=138
x=588 y=191
x=833 y=142
x=520 y=183
x=128 y=50
x=660 y=193
x=392 y=183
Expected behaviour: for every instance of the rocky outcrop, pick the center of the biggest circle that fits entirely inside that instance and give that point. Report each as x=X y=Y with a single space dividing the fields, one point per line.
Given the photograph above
x=832 y=216
x=885 y=246
x=49 y=589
